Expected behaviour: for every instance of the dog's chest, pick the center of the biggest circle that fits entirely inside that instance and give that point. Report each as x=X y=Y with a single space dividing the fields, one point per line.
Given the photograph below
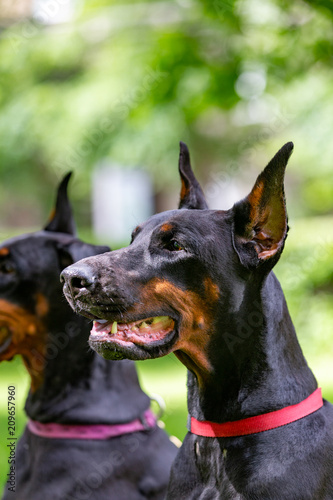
x=211 y=463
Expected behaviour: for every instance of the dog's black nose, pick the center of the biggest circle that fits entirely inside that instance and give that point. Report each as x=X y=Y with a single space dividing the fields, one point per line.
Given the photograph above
x=76 y=278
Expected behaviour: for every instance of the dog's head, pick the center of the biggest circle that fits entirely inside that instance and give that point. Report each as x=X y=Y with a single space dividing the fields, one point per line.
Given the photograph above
x=184 y=272
x=31 y=301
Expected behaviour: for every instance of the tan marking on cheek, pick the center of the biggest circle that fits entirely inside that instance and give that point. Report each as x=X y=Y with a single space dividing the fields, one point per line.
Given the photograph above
x=28 y=338
x=42 y=305
x=31 y=329
x=4 y=251
x=199 y=322
x=212 y=290
x=162 y=287
x=196 y=324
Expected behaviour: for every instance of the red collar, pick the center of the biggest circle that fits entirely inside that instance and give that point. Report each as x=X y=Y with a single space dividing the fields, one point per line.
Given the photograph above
x=102 y=431
x=260 y=423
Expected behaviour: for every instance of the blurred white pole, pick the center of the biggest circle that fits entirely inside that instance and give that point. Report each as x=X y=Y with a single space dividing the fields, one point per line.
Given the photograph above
x=121 y=199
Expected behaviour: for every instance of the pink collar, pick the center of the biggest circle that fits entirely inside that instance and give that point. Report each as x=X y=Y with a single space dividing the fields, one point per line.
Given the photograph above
x=261 y=423
x=73 y=431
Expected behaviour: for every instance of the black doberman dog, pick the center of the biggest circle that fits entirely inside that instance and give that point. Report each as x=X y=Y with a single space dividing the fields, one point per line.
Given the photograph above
x=200 y=283
x=72 y=389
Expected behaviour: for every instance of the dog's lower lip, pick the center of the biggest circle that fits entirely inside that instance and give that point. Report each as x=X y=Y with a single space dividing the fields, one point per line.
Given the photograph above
x=114 y=348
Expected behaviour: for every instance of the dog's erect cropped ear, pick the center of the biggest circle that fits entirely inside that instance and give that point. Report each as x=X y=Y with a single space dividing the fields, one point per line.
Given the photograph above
x=191 y=195
x=61 y=220
x=260 y=220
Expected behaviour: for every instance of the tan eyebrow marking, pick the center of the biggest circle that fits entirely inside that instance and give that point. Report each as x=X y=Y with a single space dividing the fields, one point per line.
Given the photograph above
x=4 y=251
x=166 y=227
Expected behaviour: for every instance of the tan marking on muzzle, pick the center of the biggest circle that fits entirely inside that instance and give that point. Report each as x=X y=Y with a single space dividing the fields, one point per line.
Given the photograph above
x=28 y=338
x=42 y=305
x=212 y=290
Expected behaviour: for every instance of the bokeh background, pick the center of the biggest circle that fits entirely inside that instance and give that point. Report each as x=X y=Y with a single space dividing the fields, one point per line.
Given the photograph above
x=99 y=85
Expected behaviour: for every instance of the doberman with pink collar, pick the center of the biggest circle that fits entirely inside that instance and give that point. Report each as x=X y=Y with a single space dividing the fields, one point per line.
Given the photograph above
x=91 y=435
x=199 y=283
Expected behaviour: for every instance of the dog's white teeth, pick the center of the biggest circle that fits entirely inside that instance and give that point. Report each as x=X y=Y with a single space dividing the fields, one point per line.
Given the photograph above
x=101 y=321
x=158 y=319
x=114 y=328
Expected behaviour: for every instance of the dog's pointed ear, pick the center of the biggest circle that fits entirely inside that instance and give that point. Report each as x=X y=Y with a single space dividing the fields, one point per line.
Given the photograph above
x=260 y=220
x=61 y=220
x=191 y=194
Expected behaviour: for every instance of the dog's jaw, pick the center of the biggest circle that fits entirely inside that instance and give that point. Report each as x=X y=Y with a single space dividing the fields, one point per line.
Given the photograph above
x=142 y=339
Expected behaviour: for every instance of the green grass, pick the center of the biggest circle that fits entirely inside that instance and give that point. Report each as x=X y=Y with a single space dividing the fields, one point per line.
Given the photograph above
x=11 y=374
x=306 y=274
x=167 y=378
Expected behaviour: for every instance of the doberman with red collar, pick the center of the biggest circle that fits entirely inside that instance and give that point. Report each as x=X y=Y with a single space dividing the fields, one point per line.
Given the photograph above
x=199 y=282
x=91 y=435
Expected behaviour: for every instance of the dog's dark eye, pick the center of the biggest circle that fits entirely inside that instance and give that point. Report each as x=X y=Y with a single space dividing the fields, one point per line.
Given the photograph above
x=174 y=246
x=6 y=268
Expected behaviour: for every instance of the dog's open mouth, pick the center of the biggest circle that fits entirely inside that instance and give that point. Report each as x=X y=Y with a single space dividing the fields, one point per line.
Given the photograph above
x=137 y=332
x=114 y=340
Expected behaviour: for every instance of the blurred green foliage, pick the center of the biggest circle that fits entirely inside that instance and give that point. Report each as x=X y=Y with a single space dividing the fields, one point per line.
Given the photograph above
x=235 y=79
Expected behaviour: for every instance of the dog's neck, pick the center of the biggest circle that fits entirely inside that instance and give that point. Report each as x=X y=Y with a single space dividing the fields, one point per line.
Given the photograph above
x=257 y=363
x=78 y=386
